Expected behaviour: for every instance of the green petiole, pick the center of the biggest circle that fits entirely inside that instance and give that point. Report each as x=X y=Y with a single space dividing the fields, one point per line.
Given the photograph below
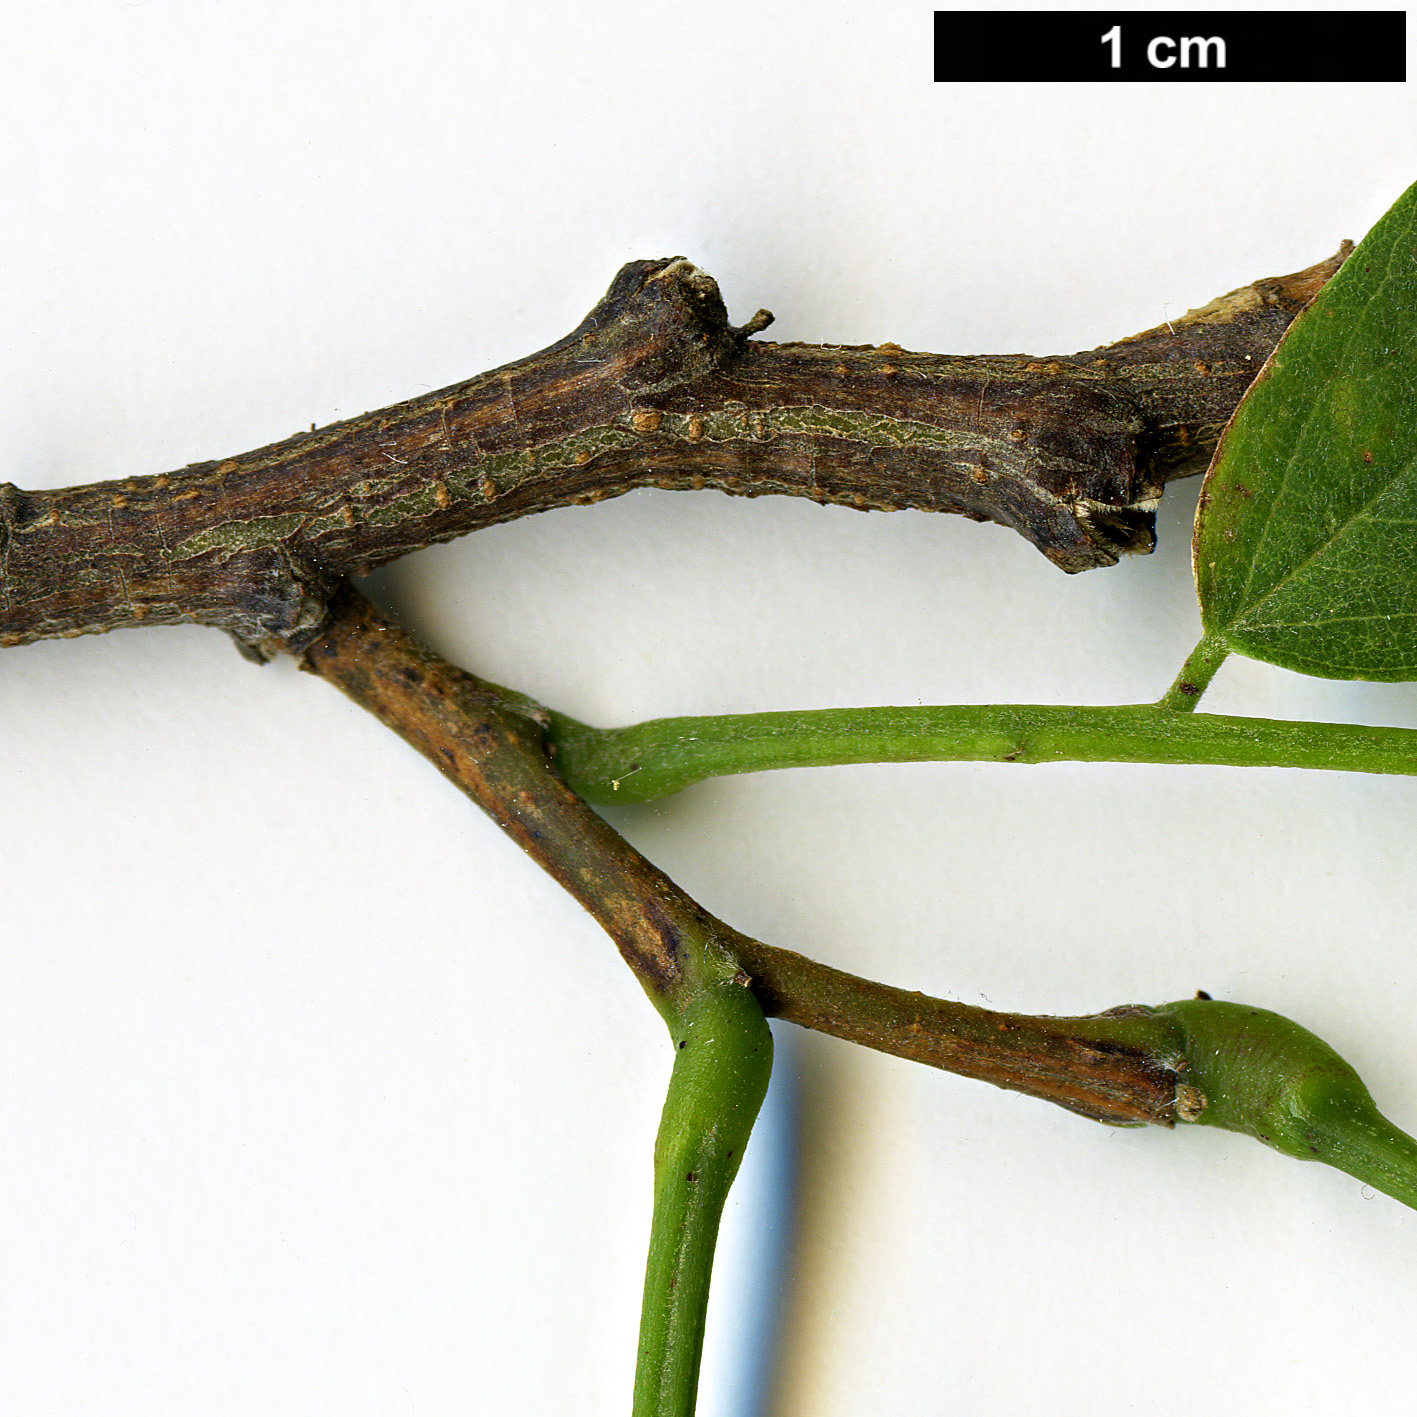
x=654 y=759
x=1195 y=676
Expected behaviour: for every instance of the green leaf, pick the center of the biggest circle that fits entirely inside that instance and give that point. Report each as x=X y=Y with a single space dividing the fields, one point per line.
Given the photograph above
x=1306 y=537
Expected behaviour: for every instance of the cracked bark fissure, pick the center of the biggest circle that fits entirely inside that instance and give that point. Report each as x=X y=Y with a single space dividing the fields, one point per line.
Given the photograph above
x=1118 y=1067
x=654 y=388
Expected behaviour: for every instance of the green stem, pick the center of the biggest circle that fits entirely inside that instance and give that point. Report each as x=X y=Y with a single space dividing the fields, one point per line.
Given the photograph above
x=1195 y=676
x=722 y=1060
x=1252 y=1071
x=654 y=759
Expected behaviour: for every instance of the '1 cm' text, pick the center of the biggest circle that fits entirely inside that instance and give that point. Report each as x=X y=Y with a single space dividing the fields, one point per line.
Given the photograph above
x=1162 y=51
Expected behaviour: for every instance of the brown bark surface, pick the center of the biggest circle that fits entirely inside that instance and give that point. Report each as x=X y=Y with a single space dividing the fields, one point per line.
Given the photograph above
x=654 y=388
x=489 y=742
x=1118 y=1068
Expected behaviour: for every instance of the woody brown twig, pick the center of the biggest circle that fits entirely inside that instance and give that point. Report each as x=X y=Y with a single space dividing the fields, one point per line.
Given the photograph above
x=655 y=388
x=1118 y=1067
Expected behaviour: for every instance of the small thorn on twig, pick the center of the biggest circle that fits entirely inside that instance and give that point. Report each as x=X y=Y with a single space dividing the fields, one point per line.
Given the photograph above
x=755 y=325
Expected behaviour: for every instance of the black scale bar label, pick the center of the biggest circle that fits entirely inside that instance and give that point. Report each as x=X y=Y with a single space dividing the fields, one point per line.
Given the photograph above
x=1171 y=46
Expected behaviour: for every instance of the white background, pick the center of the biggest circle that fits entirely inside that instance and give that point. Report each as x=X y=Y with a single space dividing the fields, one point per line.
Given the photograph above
x=314 y=1096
